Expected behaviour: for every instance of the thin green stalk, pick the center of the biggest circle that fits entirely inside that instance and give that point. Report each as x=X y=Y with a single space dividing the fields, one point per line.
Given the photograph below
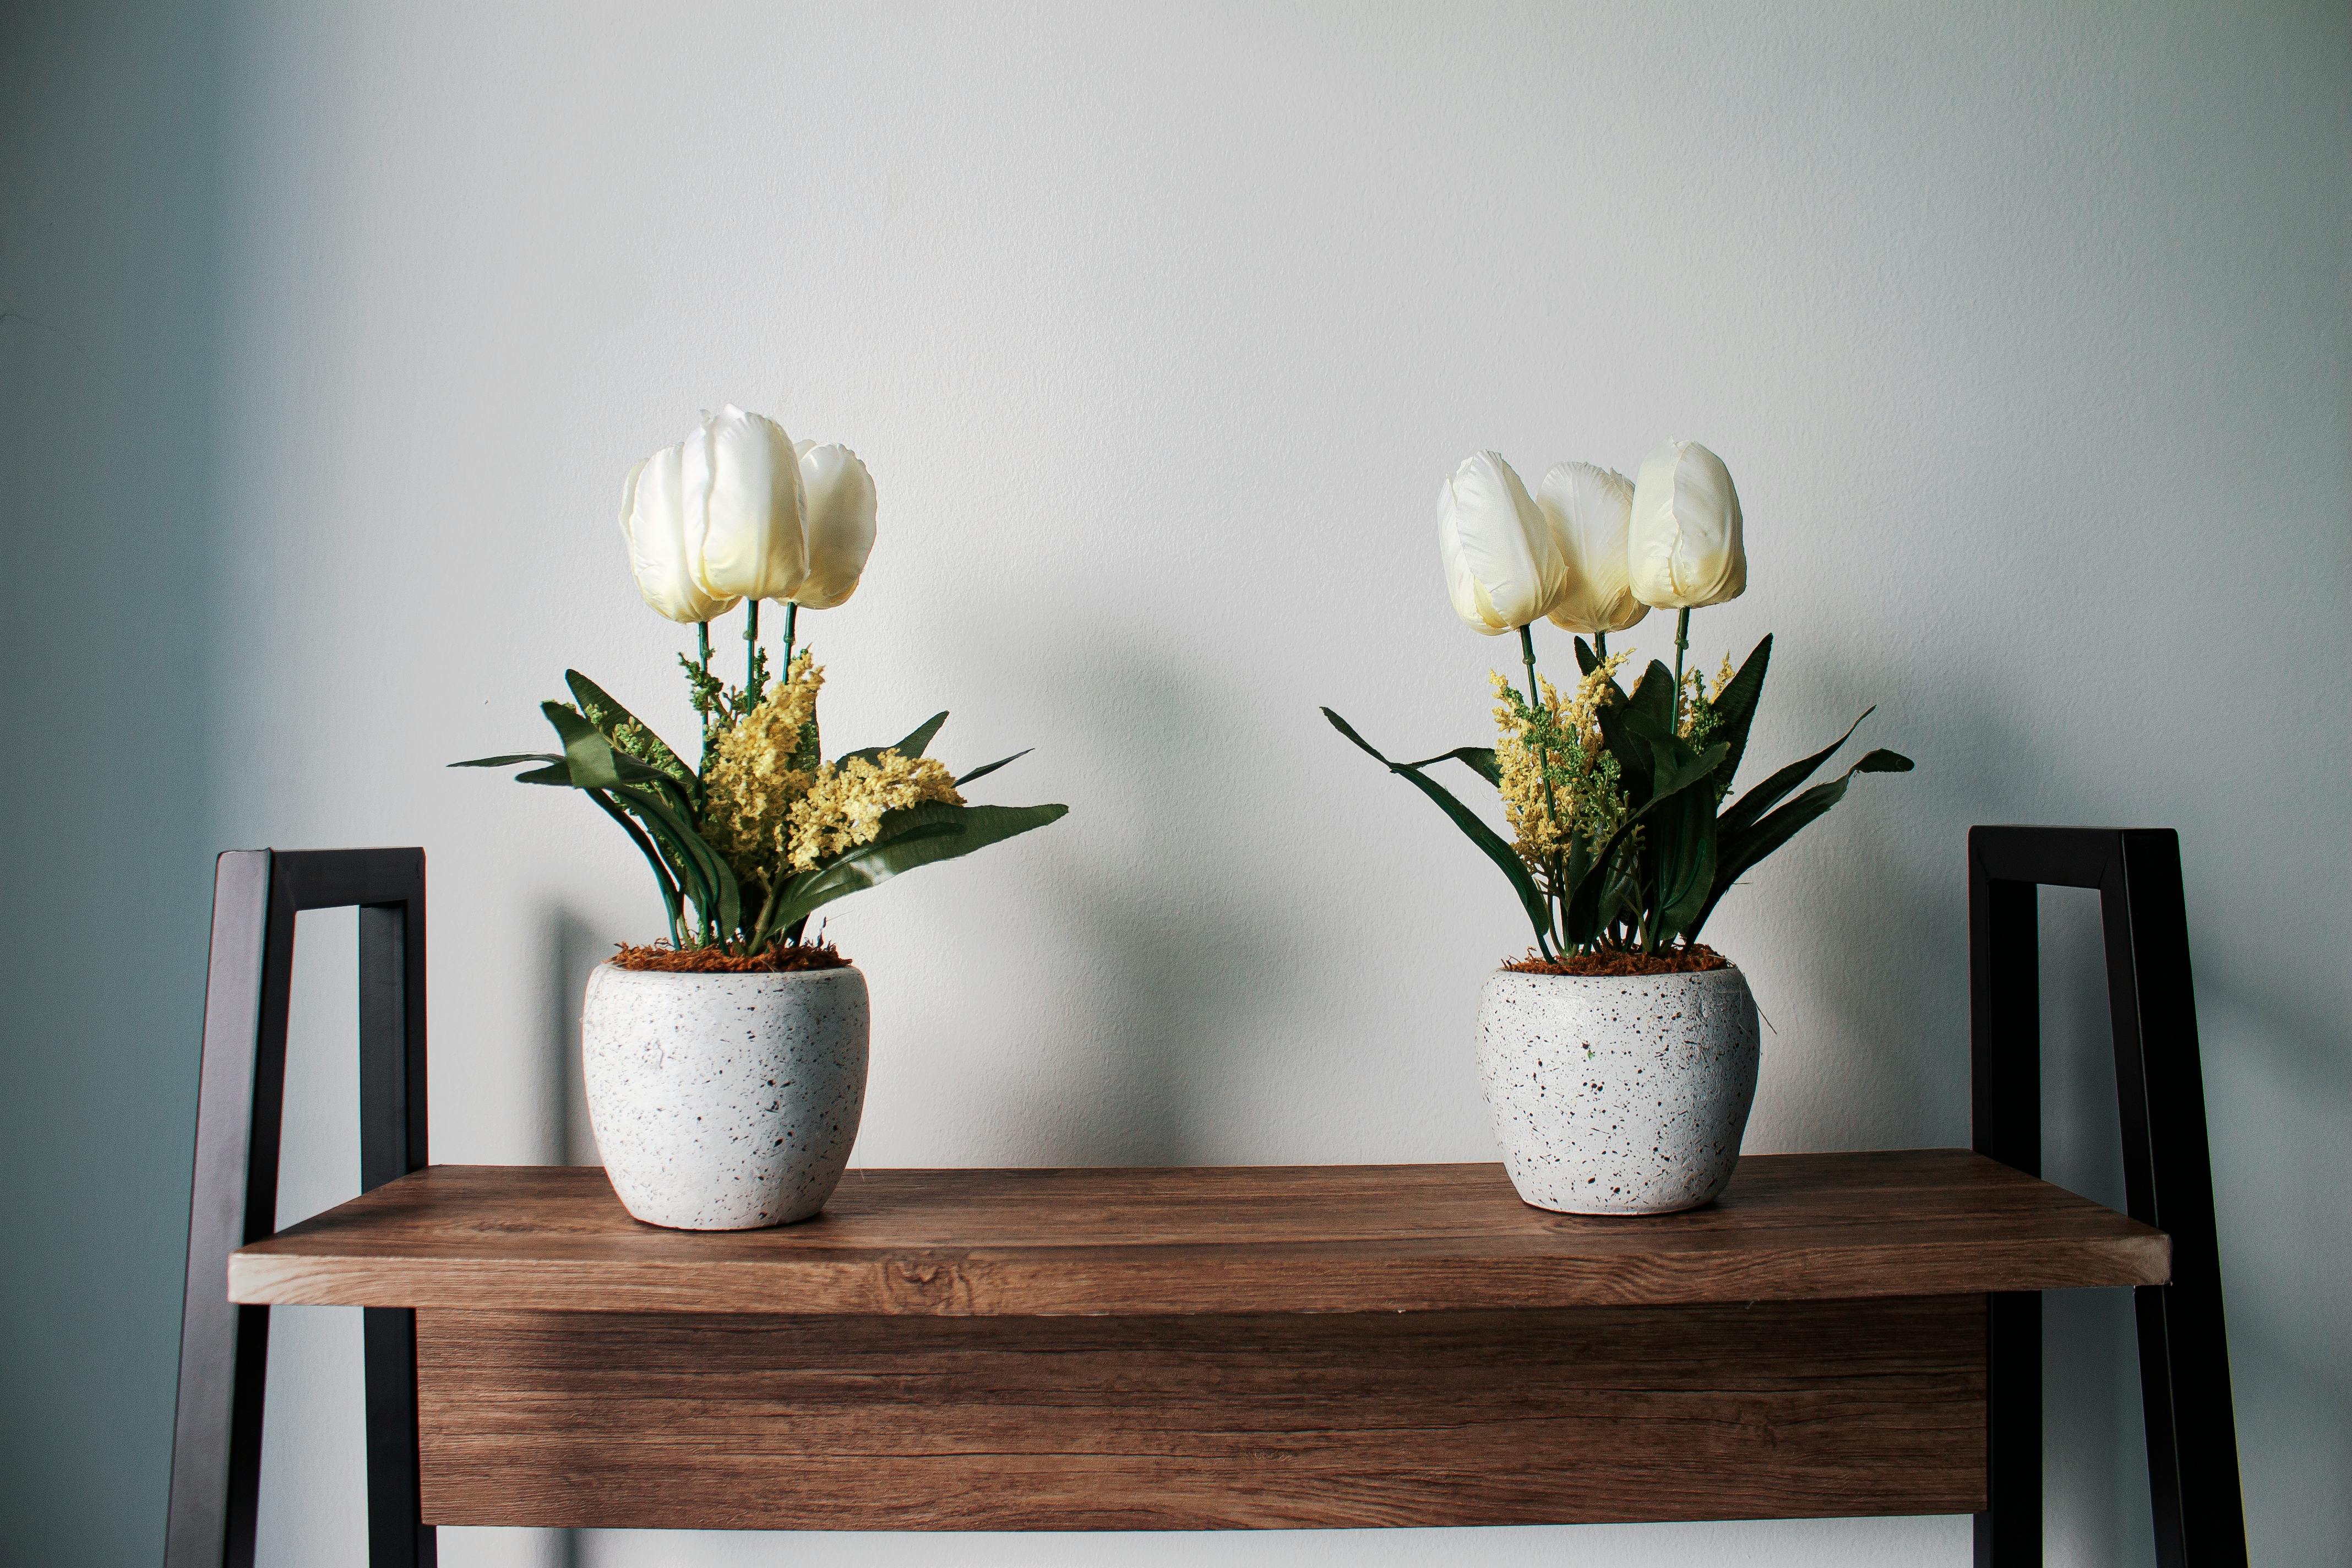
x=767 y=907
x=702 y=641
x=752 y=653
x=1682 y=641
x=1601 y=647
x=792 y=624
x=1543 y=769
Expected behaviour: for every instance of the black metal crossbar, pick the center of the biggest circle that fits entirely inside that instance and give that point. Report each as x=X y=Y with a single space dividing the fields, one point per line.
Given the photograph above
x=225 y=1348
x=2184 y=1351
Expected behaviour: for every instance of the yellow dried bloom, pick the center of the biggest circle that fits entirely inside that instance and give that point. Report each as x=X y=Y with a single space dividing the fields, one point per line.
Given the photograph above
x=843 y=804
x=1558 y=783
x=750 y=783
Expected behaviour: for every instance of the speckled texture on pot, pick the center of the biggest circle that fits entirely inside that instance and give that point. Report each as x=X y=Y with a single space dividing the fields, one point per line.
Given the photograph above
x=724 y=1101
x=1618 y=1094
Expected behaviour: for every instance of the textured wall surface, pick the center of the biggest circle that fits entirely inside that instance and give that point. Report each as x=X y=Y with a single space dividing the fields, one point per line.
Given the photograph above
x=326 y=335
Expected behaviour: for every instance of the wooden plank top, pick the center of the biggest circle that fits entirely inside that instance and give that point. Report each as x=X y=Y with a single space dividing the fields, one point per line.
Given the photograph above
x=1214 y=1239
x=1205 y=1240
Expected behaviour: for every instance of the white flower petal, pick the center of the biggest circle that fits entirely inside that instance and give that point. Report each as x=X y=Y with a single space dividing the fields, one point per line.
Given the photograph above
x=1502 y=567
x=1589 y=508
x=653 y=521
x=743 y=492
x=840 y=503
x=1683 y=544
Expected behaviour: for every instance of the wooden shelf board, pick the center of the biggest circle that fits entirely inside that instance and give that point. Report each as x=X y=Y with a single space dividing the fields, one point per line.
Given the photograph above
x=1206 y=1240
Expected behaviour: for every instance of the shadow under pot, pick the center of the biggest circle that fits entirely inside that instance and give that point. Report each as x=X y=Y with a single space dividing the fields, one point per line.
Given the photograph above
x=724 y=1101
x=1618 y=1094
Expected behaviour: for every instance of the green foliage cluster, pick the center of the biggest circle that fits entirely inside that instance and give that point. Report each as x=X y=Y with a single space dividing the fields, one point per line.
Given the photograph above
x=1675 y=849
x=617 y=760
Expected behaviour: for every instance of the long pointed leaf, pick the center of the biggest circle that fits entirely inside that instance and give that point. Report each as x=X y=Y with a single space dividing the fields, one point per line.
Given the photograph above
x=592 y=698
x=987 y=768
x=1584 y=899
x=918 y=836
x=725 y=901
x=1479 y=760
x=1735 y=710
x=1742 y=848
x=1490 y=842
x=909 y=748
x=1655 y=695
x=508 y=762
x=670 y=891
x=1748 y=807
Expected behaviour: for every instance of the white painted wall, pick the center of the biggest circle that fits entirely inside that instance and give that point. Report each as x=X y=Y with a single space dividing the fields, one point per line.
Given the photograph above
x=2023 y=326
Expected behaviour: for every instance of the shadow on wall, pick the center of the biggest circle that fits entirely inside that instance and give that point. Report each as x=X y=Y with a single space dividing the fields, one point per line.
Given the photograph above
x=1164 y=958
x=573 y=950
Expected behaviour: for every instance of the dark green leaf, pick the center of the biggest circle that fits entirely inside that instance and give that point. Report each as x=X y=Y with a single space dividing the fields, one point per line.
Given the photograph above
x=916 y=837
x=1584 y=908
x=594 y=699
x=556 y=772
x=1745 y=811
x=1479 y=760
x=1490 y=842
x=669 y=890
x=1586 y=660
x=909 y=748
x=1743 y=847
x=1654 y=697
x=508 y=762
x=584 y=747
x=1735 y=710
x=987 y=768
x=921 y=736
x=721 y=896
x=1687 y=849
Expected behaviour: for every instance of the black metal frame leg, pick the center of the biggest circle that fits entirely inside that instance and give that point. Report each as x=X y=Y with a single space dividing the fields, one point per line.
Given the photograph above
x=2184 y=1352
x=225 y=1348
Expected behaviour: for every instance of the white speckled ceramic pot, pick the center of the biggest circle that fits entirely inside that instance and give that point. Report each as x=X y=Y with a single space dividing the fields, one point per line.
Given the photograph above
x=724 y=1101
x=1618 y=1094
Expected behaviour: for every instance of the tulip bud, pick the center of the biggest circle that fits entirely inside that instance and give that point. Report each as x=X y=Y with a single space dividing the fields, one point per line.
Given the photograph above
x=662 y=549
x=1683 y=543
x=1503 y=568
x=1589 y=509
x=839 y=496
x=742 y=485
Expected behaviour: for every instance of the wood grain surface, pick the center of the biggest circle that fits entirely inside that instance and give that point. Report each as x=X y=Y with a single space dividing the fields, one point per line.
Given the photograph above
x=1779 y=1410
x=1295 y=1238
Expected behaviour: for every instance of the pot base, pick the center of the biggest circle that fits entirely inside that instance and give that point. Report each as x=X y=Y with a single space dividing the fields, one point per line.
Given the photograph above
x=1619 y=1094
x=724 y=1101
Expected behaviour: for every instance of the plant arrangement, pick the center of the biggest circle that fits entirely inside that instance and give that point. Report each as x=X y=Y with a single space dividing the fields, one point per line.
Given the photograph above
x=764 y=830
x=1623 y=844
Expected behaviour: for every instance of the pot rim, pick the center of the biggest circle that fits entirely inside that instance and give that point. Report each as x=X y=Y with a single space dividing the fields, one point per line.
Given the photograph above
x=703 y=974
x=1729 y=969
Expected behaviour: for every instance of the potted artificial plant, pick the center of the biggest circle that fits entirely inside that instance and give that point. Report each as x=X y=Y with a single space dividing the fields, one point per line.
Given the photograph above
x=1619 y=1056
x=726 y=1064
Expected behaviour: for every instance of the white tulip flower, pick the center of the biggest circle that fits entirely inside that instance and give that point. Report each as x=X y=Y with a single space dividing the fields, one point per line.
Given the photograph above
x=1683 y=543
x=1589 y=509
x=664 y=544
x=839 y=502
x=742 y=482
x=1503 y=568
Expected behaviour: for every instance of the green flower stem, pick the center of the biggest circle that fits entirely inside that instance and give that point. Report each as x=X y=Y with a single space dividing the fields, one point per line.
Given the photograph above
x=752 y=653
x=1600 y=647
x=1543 y=763
x=1682 y=641
x=702 y=641
x=792 y=624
